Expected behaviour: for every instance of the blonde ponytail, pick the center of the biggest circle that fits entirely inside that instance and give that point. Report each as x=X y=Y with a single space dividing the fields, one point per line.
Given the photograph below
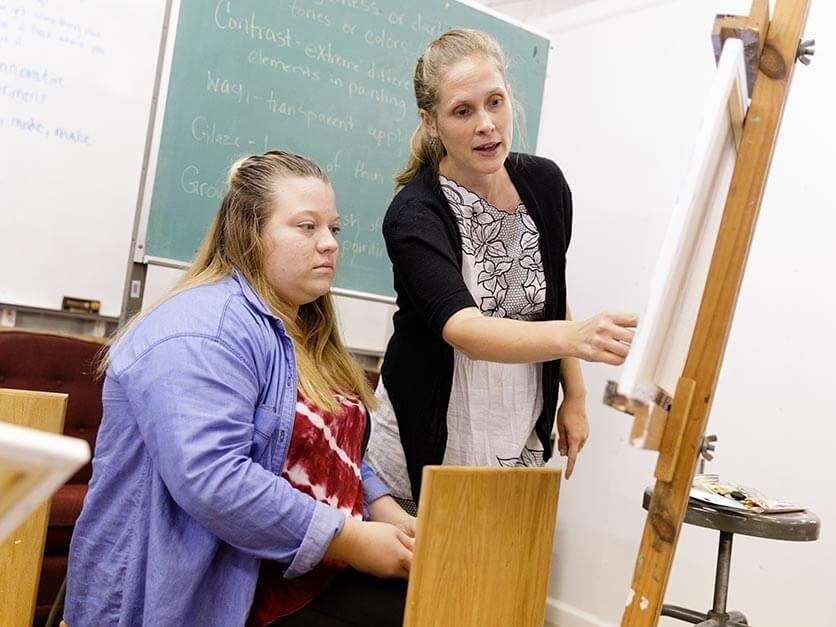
x=422 y=153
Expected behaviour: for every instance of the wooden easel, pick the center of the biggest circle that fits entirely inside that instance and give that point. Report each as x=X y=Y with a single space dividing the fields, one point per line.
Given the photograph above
x=772 y=47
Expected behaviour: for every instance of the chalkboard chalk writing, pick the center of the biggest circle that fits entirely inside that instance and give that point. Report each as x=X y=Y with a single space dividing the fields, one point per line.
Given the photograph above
x=365 y=6
x=324 y=54
x=206 y=132
x=250 y=26
x=310 y=14
x=257 y=57
x=331 y=79
x=195 y=186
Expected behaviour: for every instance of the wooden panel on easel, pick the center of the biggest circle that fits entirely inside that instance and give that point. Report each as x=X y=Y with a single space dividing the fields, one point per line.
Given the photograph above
x=483 y=547
x=661 y=345
x=22 y=552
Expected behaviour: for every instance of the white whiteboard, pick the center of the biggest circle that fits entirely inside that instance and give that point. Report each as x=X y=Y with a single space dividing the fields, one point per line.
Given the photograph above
x=76 y=81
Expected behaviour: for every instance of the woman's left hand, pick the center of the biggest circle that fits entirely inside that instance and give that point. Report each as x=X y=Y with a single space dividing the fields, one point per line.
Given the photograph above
x=386 y=509
x=572 y=430
x=407 y=525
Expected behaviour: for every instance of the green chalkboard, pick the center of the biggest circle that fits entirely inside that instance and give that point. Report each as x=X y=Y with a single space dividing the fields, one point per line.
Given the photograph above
x=331 y=79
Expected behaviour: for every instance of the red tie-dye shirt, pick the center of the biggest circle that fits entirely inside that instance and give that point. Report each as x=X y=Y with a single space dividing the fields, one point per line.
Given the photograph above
x=326 y=450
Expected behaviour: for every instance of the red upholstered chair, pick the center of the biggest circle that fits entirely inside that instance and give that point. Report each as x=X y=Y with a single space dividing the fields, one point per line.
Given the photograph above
x=30 y=360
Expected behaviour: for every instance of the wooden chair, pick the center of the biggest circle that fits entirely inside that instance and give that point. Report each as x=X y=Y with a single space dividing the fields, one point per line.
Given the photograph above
x=483 y=547
x=21 y=553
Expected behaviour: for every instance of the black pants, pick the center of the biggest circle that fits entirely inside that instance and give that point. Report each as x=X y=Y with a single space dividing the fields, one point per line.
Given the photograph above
x=354 y=598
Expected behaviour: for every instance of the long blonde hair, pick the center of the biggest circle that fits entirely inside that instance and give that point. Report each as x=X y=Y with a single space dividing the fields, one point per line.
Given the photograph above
x=233 y=242
x=438 y=57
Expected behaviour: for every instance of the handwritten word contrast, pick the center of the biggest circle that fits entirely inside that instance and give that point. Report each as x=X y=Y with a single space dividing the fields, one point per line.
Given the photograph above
x=250 y=26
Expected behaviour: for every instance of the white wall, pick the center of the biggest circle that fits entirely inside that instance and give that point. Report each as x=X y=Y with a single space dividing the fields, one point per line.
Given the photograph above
x=621 y=112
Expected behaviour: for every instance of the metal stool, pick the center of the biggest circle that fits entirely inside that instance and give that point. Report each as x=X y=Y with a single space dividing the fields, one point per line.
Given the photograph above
x=795 y=526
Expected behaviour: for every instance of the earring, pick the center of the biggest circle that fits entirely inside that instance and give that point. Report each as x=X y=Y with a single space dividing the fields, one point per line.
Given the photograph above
x=433 y=142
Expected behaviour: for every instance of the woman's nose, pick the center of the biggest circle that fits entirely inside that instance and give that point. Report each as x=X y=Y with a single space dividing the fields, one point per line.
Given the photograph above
x=328 y=241
x=485 y=122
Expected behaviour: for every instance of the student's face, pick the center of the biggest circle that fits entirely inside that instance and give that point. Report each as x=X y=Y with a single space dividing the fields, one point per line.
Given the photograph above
x=299 y=240
x=474 y=118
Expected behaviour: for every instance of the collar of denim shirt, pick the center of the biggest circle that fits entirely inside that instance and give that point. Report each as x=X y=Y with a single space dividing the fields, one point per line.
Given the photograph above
x=254 y=299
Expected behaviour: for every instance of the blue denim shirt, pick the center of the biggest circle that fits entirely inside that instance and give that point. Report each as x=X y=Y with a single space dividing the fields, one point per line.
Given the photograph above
x=185 y=498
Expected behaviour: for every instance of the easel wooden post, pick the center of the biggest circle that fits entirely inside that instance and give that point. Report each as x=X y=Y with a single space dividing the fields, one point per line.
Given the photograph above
x=686 y=422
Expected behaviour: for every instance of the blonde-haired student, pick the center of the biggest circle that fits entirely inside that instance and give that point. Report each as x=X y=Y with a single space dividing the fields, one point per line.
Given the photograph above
x=228 y=484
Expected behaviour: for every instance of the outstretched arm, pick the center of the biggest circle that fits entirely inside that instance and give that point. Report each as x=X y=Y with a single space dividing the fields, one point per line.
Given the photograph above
x=605 y=337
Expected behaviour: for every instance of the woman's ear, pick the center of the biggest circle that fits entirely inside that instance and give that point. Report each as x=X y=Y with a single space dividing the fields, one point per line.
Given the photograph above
x=428 y=122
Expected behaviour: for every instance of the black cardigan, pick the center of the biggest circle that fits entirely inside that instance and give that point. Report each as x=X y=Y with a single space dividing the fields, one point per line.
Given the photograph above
x=424 y=245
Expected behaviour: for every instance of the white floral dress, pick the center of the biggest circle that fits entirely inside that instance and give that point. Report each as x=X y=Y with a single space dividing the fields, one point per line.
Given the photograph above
x=493 y=407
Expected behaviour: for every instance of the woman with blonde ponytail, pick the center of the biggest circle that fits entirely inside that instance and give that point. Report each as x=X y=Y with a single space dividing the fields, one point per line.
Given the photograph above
x=229 y=485
x=477 y=236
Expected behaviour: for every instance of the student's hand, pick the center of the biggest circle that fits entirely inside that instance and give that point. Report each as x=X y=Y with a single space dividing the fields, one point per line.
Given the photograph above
x=572 y=430
x=376 y=548
x=386 y=509
x=604 y=338
x=407 y=525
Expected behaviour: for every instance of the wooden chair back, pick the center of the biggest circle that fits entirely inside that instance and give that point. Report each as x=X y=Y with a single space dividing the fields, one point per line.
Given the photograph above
x=483 y=547
x=22 y=552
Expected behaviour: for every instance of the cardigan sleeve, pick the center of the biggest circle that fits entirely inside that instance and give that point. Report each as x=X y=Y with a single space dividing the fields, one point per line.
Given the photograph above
x=426 y=263
x=558 y=189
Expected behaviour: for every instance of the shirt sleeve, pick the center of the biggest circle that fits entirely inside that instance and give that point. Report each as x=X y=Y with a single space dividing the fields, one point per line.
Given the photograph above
x=373 y=487
x=194 y=401
x=426 y=263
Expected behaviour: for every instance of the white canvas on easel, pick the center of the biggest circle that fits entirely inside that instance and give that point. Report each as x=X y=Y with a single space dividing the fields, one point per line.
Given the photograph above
x=33 y=464
x=658 y=353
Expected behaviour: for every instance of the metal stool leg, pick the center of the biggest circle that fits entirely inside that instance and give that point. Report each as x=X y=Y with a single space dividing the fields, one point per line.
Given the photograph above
x=683 y=613
x=717 y=616
x=721 y=578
